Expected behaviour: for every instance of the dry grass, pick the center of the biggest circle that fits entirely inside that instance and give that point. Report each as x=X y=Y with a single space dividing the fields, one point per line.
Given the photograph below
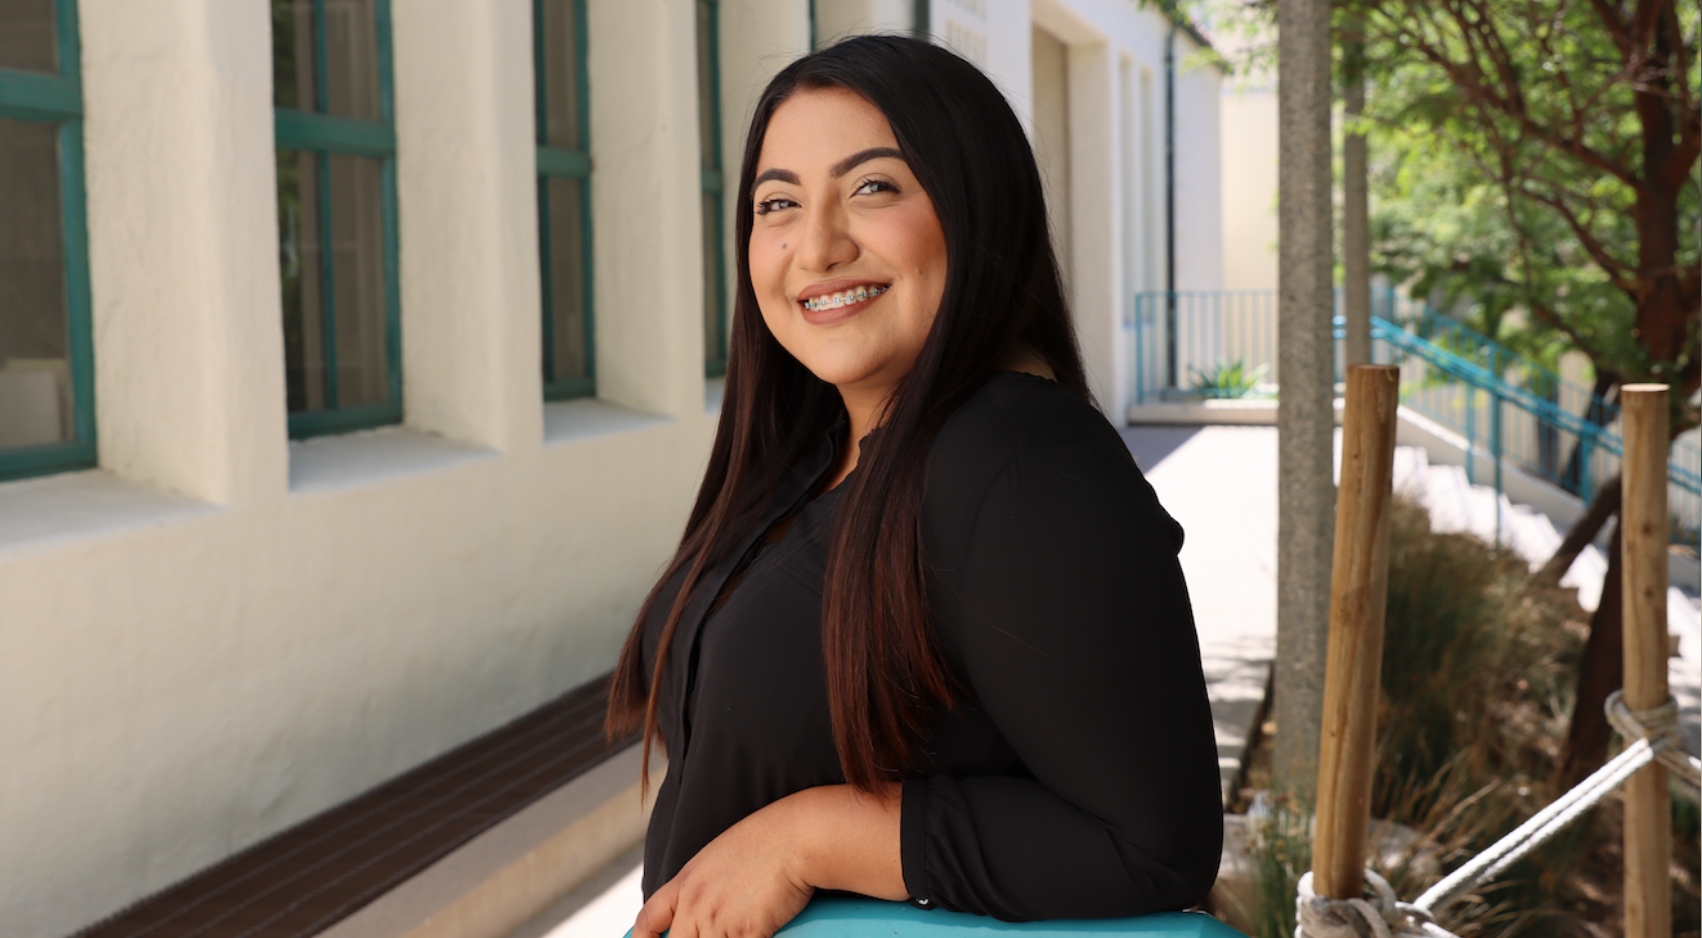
x=1478 y=670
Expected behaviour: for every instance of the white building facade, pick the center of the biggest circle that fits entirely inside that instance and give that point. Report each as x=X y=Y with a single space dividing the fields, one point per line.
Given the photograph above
x=359 y=361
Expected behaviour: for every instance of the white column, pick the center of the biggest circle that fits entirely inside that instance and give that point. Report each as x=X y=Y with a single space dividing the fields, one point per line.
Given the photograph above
x=468 y=225
x=837 y=19
x=1199 y=175
x=647 y=226
x=189 y=352
x=1096 y=245
x=758 y=39
x=1010 y=60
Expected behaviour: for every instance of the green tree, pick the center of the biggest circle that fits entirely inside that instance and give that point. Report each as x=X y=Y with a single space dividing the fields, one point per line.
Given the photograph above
x=1540 y=155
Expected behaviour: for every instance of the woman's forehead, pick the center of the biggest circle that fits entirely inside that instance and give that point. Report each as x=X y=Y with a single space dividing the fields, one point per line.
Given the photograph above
x=814 y=129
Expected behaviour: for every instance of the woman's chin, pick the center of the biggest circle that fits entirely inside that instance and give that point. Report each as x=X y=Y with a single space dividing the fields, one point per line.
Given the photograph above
x=844 y=373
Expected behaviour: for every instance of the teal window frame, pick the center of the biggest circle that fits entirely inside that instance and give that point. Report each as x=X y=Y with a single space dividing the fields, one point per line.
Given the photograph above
x=58 y=99
x=327 y=134
x=711 y=182
x=560 y=163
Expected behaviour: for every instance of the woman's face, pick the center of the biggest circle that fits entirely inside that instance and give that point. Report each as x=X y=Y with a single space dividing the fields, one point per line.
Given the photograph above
x=847 y=256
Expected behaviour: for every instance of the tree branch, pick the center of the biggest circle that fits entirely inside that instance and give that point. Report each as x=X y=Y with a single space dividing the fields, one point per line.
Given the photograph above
x=1553 y=319
x=1616 y=270
x=1571 y=145
x=1601 y=510
x=1615 y=25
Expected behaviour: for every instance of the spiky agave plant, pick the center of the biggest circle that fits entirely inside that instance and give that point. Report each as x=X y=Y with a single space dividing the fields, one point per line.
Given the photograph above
x=1227 y=379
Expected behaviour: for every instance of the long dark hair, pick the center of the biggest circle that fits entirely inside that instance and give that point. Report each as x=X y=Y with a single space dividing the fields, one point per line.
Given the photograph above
x=1002 y=294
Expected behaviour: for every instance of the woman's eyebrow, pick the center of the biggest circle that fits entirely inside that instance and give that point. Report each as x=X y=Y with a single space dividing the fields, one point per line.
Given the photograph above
x=784 y=175
x=863 y=156
x=839 y=169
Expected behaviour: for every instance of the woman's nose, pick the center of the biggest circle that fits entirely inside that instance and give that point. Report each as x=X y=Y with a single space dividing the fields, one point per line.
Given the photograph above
x=826 y=243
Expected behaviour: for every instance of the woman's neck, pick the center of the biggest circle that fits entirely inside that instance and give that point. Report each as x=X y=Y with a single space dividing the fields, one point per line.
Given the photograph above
x=863 y=407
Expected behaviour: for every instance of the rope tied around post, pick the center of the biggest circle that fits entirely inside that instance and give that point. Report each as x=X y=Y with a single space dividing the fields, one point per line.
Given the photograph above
x=1376 y=914
x=1658 y=725
x=1651 y=735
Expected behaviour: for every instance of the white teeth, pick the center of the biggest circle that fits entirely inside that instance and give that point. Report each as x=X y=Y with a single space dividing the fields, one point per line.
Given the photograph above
x=844 y=297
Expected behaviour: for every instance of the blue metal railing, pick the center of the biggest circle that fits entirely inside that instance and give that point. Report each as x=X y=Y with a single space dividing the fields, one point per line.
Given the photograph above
x=1510 y=410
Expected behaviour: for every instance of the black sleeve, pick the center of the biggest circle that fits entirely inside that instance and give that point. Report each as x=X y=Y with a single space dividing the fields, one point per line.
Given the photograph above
x=1074 y=633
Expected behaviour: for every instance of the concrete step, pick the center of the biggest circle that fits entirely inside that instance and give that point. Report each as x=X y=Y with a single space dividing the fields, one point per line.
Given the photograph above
x=1448 y=496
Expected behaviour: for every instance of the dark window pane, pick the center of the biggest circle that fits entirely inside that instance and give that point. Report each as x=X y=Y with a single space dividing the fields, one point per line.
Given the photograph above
x=329 y=64
x=564 y=285
x=706 y=103
x=35 y=385
x=300 y=266
x=351 y=58
x=714 y=343
x=357 y=265
x=559 y=70
x=292 y=54
x=28 y=39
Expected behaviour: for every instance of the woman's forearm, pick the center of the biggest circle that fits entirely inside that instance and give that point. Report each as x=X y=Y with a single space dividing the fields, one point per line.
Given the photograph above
x=848 y=840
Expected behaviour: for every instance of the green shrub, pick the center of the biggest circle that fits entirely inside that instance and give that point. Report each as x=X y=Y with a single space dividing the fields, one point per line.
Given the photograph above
x=1227 y=379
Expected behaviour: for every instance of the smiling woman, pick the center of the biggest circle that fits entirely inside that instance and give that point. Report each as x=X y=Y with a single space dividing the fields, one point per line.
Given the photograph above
x=846 y=254
x=925 y=637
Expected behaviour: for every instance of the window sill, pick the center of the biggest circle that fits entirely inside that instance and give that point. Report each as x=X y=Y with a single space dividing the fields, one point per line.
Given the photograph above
x=60 y=509
x=370 y=457
x=588 y=418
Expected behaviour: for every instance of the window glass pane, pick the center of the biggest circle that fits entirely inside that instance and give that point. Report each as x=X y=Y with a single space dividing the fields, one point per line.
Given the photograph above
x=292 y=54
x=35 y=385
x=357 y=265
x=564 y=259
x=328 y=64
x=28 y=39
x=351 y=58
x=706 y=104
x=300 y=266
x=560 y=72
x=714 y=345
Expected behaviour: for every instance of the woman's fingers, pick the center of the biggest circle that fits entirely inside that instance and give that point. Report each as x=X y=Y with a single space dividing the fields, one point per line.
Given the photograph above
x=657 y=916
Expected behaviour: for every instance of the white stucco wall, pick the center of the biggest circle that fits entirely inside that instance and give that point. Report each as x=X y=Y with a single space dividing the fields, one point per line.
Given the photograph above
x=1248 y=121
x=1116 y=53
x=1199 y=189
x=220 y=633
x=838 y=19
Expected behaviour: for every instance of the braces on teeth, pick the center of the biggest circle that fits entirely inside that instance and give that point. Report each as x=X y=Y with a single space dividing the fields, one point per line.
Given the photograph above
x=843 y=298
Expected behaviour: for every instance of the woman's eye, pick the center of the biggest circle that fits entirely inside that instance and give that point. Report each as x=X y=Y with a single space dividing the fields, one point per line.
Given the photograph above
x=872 y=186
x=774 y=205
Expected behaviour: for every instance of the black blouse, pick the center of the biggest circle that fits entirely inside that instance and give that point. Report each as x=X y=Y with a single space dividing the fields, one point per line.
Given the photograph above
x=1081 y=779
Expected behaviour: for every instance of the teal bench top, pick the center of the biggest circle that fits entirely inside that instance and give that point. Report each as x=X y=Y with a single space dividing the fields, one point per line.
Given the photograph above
x=869 y=918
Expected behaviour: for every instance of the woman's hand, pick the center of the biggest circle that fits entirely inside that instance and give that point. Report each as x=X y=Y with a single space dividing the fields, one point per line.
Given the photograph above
x=760 y=873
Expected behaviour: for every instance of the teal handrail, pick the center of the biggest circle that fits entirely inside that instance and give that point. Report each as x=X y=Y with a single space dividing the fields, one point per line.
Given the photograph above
x=1215 y=327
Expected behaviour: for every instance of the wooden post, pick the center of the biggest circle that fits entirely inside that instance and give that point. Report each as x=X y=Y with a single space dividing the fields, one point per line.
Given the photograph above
x=1359 y=586
x=1644 y=527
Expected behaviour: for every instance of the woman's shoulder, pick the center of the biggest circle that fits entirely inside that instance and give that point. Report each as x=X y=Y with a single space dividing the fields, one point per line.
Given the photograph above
x=1013 y=414
x=1016 y=411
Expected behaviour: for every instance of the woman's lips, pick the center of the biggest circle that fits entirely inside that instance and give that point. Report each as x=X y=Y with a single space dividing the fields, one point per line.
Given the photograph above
x=825 y=308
